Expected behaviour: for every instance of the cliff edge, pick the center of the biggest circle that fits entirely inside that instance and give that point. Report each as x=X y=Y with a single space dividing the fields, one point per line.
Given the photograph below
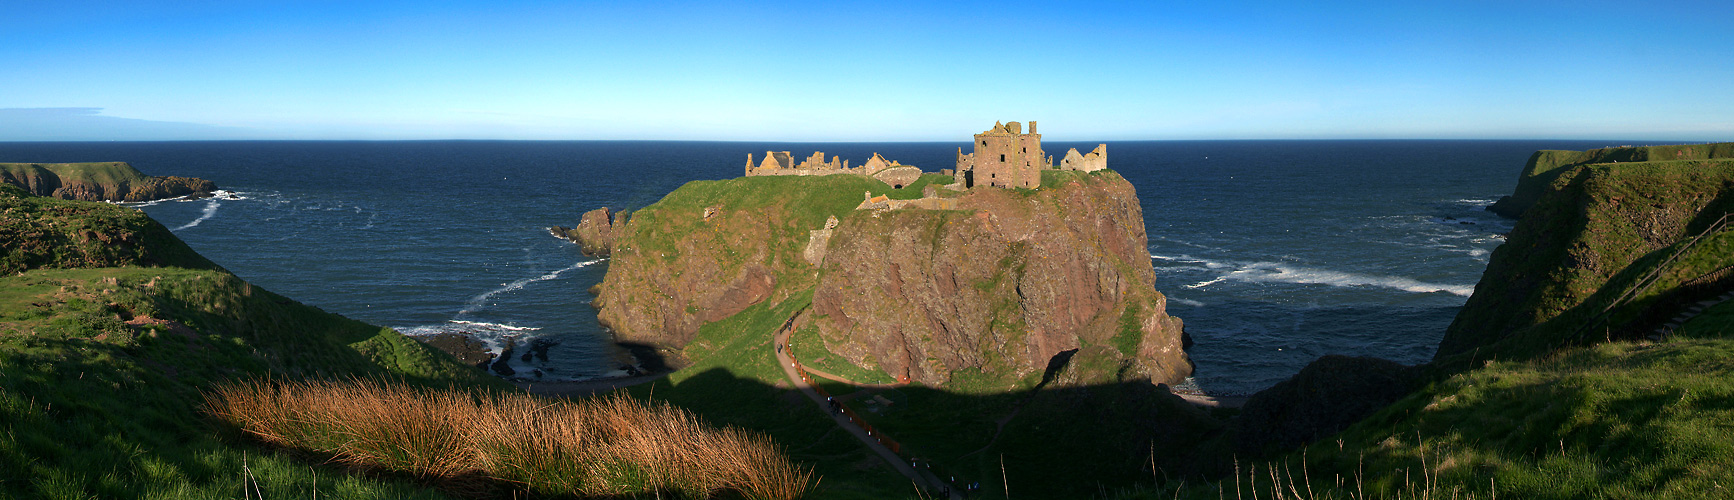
x=1609 y=239
x=1545 y=166
x=983 y=296
x=110 y=181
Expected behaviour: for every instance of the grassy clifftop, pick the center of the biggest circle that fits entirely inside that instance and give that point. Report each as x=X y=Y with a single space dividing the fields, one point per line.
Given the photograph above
x=39 y=232
x=1591 y=238
x=1546 y=165
x=107 y=181
x=1551 y=382
x=110 y=331
x=711 y=248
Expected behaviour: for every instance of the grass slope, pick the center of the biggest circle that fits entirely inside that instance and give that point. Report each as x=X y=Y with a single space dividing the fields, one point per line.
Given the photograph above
x=1547 y=165
x=106 y=348
x=1527 y=403
x=1595 y=233
x=734 y=379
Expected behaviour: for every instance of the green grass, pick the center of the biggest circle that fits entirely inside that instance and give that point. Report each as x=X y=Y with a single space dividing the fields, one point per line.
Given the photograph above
x=913 y=190
x=1595 y=232
x=90 y=406
x=1056 y=178
x=811 y=352
x=105 y=173
x=734 y=379
x=1545 y=167
x=38 y=232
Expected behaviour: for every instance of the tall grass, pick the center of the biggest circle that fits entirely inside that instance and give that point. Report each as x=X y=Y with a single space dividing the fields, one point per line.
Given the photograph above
x=608 y=446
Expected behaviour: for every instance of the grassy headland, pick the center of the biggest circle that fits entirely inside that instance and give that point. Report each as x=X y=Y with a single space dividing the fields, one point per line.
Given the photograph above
x=113 y=333
x=1553 y=381
x=108 y=181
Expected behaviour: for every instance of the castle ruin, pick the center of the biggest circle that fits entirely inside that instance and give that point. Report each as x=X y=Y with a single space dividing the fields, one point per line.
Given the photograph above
x=1002 y=156
x=782 y=163
x=1097 y=159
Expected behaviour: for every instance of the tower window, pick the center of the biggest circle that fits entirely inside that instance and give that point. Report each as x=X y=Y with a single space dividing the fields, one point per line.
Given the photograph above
x=1001 y=157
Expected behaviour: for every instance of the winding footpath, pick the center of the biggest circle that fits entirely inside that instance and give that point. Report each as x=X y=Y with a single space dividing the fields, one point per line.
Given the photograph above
x=896 y=462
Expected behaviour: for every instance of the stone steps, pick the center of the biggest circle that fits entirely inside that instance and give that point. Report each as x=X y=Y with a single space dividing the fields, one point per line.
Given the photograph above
x=1691 y=312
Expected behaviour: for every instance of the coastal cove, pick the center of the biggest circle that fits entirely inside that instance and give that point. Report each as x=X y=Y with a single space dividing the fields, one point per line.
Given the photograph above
x=1272 y=252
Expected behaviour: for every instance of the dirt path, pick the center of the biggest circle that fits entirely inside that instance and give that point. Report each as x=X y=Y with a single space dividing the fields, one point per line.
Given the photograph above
x=896 y=462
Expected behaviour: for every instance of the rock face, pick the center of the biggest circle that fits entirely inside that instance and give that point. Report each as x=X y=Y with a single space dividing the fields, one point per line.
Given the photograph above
x=1001 y=285
x=113 y=181
x=1326 y=397
x=991 y=291
x=712 y=248
x=595 y=231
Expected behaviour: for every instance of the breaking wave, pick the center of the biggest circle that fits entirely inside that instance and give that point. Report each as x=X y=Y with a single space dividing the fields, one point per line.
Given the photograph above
x=210 y=211
x=1273 y=272
x=479 y=302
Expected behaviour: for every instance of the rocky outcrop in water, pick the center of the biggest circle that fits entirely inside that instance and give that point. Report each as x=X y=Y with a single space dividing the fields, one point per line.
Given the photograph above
x=112 y=181
x=595 y=231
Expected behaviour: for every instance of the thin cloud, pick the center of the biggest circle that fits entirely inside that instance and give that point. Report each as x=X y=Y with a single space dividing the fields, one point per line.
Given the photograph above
x=89 y=124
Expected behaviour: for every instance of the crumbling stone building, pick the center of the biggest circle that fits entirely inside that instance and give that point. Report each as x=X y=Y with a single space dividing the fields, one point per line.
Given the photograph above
x=1004 y=156
x=783 y=163
x=1096 y=160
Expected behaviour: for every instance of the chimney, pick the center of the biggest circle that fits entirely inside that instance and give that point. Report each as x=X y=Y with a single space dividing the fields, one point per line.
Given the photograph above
x=1032 y=127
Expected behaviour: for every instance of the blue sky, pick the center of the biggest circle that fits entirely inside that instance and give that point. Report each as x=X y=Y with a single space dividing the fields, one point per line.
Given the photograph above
x=814 y=71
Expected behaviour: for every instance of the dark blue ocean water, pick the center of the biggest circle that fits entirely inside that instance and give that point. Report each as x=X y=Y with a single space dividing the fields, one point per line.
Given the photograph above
x=1273 y=252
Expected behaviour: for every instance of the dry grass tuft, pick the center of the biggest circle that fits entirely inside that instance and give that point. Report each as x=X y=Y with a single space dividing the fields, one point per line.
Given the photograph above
x=600 y=447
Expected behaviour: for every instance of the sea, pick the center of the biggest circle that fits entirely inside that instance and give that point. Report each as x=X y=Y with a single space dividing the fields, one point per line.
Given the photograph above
x=1273 y=253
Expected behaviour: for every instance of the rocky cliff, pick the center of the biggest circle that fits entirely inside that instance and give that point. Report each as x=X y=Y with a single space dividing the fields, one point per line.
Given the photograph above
x=979 y=297
x=999 y=287
x=111 y=181
x=1606 y=237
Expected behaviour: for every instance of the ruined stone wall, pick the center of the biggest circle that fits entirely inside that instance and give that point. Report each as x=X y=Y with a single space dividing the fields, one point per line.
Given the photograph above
x=782 y=163
x=1097 y=159
x=1028 y=172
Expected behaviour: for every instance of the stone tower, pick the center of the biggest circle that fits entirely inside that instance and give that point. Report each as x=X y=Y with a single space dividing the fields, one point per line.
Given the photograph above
x=1004 y=157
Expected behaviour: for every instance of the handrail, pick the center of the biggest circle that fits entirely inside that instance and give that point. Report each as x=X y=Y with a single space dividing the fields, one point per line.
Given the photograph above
x=1643 y=284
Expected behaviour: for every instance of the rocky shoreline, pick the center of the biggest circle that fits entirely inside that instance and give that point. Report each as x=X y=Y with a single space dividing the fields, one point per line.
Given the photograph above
x=474 y=352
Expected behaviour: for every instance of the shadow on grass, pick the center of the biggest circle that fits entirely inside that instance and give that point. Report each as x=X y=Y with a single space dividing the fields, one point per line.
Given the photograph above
x=1067 y=441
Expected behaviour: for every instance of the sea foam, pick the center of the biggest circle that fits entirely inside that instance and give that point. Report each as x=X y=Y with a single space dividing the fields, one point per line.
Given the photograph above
x=209 y=211
x=479 y=302
x=1273 y=272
